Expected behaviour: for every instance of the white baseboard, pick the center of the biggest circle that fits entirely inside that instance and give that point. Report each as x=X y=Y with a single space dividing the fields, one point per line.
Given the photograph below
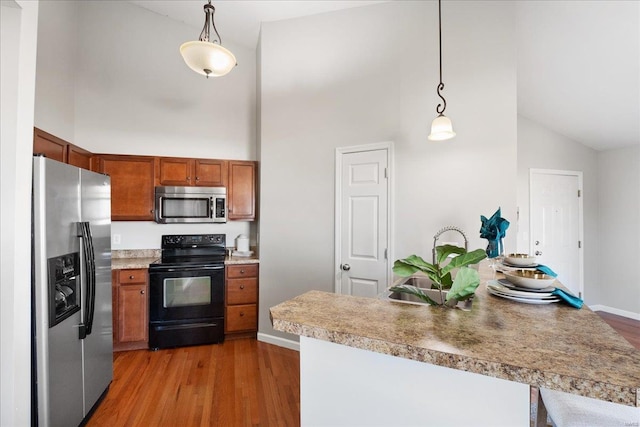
x=279 y=341
x=623 y=313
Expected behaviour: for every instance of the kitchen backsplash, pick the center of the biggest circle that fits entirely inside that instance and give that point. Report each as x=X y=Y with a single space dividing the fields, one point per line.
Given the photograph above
x=147 y=234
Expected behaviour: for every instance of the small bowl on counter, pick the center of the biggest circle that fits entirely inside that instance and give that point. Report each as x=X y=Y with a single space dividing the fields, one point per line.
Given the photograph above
x=529 y=279
x=520 y=260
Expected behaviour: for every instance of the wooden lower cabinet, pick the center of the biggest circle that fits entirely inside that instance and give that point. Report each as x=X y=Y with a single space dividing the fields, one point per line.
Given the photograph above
x=241 y=300
x=130 y=309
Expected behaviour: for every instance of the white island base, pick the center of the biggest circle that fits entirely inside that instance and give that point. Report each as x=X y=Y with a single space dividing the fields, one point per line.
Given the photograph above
x=346 y=386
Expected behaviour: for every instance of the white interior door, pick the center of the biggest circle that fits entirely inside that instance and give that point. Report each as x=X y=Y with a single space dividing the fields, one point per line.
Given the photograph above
x=556 y=224
x=362 y=221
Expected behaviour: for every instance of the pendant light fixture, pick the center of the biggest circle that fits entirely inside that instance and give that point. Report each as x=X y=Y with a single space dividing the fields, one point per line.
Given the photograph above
x=205 y=56
x=441 y=127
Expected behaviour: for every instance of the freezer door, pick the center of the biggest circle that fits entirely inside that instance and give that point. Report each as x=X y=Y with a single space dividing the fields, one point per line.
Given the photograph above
x=98 y=345
x=58 y=361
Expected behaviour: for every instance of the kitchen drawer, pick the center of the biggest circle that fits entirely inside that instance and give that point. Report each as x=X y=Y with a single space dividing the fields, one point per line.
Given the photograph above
x=242 y=270
x=242 y=291
x=241 y=318
x=138 y=275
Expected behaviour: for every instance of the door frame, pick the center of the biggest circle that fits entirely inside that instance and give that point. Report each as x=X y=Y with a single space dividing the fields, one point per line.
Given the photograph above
x=340 y=151
x=577 y=174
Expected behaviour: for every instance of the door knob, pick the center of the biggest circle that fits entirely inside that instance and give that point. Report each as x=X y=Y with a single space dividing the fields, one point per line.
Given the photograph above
x=345 y=267
x=538 y=253
x=537 y=242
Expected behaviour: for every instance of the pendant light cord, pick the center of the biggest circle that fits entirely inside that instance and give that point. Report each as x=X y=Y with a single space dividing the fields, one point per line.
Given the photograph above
x=441 y=107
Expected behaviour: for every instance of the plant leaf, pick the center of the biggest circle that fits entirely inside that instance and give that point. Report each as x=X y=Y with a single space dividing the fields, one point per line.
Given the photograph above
x=413 y=290
x=465 y=259
x=442 y=252
x=410 y=265
x=464 y=285
x=403 y=269
x=447 y=281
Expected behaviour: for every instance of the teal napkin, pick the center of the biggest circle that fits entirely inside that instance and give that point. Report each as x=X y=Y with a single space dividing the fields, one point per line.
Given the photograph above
x=573 y=301
x=546 y=270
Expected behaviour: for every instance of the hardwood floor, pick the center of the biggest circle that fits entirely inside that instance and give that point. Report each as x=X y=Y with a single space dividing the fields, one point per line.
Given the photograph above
x=237 y=383
x=628 y=328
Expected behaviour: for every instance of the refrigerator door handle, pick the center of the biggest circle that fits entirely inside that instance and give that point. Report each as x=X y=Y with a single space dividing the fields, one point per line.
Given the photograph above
x=88 y=258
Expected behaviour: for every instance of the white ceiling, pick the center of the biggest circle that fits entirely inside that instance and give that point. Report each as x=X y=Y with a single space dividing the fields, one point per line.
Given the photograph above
x=578 y=61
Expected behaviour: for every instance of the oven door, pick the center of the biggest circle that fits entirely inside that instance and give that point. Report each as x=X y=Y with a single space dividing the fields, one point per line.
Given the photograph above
x=184 y=293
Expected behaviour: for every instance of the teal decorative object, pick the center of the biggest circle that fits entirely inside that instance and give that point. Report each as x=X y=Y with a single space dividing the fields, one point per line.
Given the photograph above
x=494 y=229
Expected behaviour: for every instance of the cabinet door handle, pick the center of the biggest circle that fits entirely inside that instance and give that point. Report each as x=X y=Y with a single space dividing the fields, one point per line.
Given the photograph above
x=142 y=292
x=241 y=286
x=197 y=178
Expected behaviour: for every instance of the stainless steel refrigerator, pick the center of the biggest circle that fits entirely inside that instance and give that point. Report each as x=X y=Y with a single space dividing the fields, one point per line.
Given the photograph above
x=72 y=347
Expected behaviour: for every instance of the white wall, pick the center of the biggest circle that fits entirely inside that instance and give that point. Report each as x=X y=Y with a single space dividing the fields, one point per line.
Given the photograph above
x=539 y=147
x=135 y=94
x=18 y=41
x=111 y=80
x=619 y=207
x=57 y=68
x=368 y=75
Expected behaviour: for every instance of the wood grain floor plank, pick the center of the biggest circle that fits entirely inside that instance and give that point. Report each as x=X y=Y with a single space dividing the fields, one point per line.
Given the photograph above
x=236 y=383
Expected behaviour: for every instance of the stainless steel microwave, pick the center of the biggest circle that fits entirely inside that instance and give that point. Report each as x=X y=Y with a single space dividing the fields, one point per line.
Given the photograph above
x=190 y=204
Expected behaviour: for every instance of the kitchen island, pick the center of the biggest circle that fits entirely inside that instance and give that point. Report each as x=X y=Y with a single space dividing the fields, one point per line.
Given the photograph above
x=370 y=361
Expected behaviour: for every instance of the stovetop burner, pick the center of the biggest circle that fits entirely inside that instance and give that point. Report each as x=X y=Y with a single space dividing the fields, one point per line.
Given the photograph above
x=191 y=251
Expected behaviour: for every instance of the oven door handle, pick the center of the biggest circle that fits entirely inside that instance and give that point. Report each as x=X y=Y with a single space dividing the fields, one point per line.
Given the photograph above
x=212 y=267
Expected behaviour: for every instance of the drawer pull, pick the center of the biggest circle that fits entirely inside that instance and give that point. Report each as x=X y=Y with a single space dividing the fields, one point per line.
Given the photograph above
x=241 y=271
x=142 y=292
x=131 y=277
x=241 y=286
x=241 y=313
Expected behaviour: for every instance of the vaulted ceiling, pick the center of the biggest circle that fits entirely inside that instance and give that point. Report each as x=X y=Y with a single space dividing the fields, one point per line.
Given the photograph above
x=578 y=61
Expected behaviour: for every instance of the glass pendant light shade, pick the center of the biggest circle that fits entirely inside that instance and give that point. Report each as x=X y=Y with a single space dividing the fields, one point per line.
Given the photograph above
x=441 y=129
x=208 y=59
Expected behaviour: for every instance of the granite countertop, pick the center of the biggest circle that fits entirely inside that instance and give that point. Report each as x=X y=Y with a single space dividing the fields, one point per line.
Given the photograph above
x=141 y=258
x=134 y=258
x=553 y=346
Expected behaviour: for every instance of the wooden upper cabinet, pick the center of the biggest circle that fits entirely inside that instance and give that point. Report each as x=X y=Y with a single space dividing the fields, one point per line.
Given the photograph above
x=175 y=171
x=241 y=191
x=79 y=157
x=210 y=173
x=58 y=149
x=193 y=172
x=132 y=186
x=51 y=146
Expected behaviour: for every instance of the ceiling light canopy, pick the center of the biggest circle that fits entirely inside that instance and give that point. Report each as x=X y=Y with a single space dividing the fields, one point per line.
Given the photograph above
x=441 y=127
x=206 y=57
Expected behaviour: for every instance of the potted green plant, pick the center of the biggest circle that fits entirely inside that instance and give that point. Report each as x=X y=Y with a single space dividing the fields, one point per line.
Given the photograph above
x=460 y=288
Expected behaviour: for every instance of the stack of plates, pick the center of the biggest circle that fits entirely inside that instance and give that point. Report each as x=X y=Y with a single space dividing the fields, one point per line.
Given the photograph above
x=505 y=289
